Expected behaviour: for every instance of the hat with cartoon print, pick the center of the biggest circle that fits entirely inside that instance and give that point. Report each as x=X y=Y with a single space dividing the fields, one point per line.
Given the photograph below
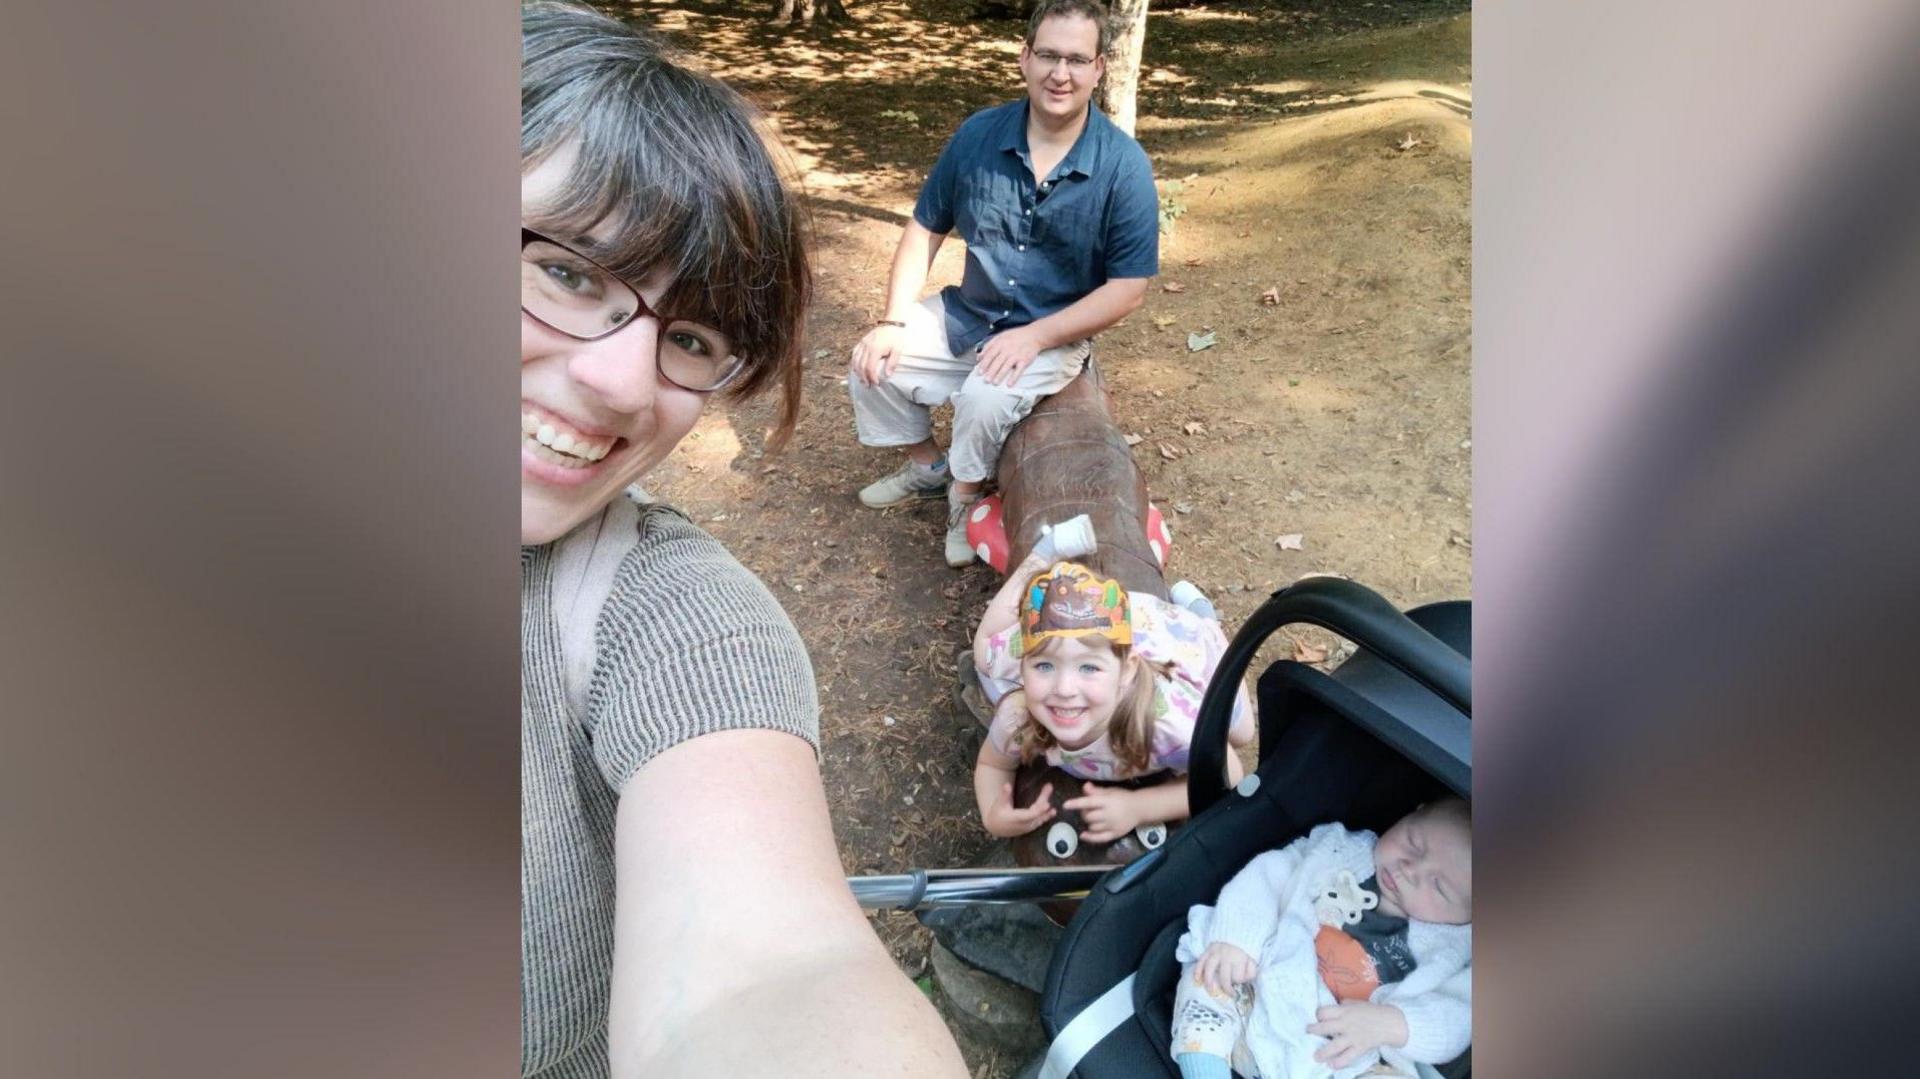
x=1070 y=600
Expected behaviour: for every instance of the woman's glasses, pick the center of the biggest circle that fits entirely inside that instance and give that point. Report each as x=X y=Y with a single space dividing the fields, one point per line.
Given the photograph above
x=569 y=293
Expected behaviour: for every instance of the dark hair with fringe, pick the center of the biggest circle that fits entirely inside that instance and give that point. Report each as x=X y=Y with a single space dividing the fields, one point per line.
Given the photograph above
x=1086 y=9
x=673 y=166
x=1130 y=731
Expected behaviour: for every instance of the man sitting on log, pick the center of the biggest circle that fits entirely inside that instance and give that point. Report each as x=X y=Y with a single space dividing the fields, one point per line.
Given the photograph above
x=1058 y=211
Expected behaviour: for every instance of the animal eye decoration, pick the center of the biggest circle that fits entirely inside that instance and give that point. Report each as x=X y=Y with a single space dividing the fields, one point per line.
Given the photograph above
x=1062 y=840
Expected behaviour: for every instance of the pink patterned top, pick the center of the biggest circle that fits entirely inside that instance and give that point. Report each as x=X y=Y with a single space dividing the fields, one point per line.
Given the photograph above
x=1162 y=633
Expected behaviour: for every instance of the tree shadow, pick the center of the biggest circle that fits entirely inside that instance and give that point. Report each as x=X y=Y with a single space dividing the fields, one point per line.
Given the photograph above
x=866 y=106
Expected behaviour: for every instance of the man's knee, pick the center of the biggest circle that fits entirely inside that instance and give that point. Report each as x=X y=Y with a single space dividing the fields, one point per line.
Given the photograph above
x=980 y=399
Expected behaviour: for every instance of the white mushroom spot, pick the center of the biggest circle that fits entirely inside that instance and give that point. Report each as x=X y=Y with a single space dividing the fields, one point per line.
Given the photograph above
x=1159 y=554
x=981 y=512
x=981 y=550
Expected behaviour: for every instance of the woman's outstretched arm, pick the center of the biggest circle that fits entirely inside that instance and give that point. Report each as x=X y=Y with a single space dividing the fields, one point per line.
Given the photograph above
x=738 y=949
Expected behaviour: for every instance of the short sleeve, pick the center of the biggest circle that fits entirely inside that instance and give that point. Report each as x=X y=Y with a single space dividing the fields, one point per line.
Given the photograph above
x=1001 y=662
x=690 y=643
x=1133 y=220
x=935 y=208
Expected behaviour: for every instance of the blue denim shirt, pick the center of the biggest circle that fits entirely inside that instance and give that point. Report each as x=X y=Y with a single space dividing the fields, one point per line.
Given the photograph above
x=1033 y=249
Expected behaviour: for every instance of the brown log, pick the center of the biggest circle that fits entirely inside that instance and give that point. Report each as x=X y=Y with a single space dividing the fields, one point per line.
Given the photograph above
x=1032 y=849
x=1069 y=457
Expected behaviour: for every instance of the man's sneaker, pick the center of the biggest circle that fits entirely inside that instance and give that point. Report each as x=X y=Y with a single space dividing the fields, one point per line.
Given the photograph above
x=913 y=481
x=960 y=553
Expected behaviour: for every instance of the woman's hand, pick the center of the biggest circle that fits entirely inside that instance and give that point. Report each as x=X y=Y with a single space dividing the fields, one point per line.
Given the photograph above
x=877 y=354
x=1110 y=812
x=1224 y=967
x=1353 y=1030
x=1006 y=819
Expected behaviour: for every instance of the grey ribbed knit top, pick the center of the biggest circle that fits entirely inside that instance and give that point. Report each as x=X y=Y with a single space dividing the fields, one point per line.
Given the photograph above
x=637 y=631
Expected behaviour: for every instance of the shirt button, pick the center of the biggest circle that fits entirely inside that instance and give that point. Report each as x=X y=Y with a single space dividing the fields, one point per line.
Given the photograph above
x=1009 y=280
x=1023 y=247
x=1029 y=213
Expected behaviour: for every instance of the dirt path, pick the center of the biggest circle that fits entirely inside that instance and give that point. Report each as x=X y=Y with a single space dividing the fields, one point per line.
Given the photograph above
x=1319 y=157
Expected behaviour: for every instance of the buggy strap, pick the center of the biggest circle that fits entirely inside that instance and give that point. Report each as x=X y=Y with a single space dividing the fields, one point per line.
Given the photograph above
x=1088 y=1029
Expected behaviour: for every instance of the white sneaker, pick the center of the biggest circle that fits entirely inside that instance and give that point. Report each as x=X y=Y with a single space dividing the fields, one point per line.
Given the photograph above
x=960 y=553
x=912 y=482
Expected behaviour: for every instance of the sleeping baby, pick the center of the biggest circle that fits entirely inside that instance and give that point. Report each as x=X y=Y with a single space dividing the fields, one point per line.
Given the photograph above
x=1340 y=953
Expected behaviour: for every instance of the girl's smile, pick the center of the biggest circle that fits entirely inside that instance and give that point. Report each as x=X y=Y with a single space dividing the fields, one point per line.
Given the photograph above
x=1073 y=687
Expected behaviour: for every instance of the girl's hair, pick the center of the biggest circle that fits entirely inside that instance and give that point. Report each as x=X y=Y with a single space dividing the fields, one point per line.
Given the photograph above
x=674 y=165
x=1129 y=733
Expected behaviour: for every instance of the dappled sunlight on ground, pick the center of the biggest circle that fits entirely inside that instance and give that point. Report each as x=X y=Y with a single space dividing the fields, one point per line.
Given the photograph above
x=1314 y=161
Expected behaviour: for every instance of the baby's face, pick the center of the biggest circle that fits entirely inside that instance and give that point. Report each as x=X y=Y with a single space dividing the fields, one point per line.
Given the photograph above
x=1424 y=867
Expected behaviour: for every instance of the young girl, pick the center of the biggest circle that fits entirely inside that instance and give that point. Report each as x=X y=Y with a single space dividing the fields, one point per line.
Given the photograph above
x=1106 y=685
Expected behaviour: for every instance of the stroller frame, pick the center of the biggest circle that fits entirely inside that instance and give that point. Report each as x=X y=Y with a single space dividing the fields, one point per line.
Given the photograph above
x=1388 y=730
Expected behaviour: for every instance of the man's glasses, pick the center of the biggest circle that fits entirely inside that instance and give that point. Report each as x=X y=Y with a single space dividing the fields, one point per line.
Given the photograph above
x=1076 y=64
x=570 y=293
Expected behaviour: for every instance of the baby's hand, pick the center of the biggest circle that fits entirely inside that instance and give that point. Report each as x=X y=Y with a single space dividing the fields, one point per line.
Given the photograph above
x=1007 y=820
x=1223 y=967
x=1353 y=1030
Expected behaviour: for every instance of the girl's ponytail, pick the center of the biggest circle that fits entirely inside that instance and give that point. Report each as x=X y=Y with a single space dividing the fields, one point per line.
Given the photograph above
x=1131 y=731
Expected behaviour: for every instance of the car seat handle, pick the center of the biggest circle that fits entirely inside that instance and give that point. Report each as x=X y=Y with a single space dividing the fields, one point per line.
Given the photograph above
x=1334 y=603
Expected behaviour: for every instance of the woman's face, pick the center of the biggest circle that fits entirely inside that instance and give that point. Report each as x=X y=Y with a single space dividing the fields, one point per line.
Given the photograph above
x=1072 y=688
x=611 y=415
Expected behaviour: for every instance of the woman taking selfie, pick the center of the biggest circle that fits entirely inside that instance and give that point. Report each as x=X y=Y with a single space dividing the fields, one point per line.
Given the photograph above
x=684 y=908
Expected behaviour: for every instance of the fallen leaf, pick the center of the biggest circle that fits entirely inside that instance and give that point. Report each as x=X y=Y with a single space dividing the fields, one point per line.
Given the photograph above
x=1295 y=495
x=1173 y=286
x=1198 y=341
x=1162 y=323
x=1133 y=440
x=1196 y=261
x=1195 y=428
x=1168 y=451
x=821 y=353
x=1270 y=298
x=1291 y=541
x=1183 y=507
x=1307 y=653
x=1407 y=142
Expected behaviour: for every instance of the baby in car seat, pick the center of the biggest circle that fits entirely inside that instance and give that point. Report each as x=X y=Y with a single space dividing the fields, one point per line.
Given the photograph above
x=1339 y=954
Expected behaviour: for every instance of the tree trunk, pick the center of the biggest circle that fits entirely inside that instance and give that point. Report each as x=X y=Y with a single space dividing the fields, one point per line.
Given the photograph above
x=1122 y=84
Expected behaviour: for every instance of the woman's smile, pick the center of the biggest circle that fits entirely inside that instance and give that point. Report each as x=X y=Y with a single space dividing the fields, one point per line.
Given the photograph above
x=561 y=451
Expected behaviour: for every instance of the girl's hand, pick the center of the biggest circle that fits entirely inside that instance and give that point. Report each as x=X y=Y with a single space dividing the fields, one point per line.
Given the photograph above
x=1007 y=820
x=1353 y=1030
x=1224 y=967
x=1110 y=812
